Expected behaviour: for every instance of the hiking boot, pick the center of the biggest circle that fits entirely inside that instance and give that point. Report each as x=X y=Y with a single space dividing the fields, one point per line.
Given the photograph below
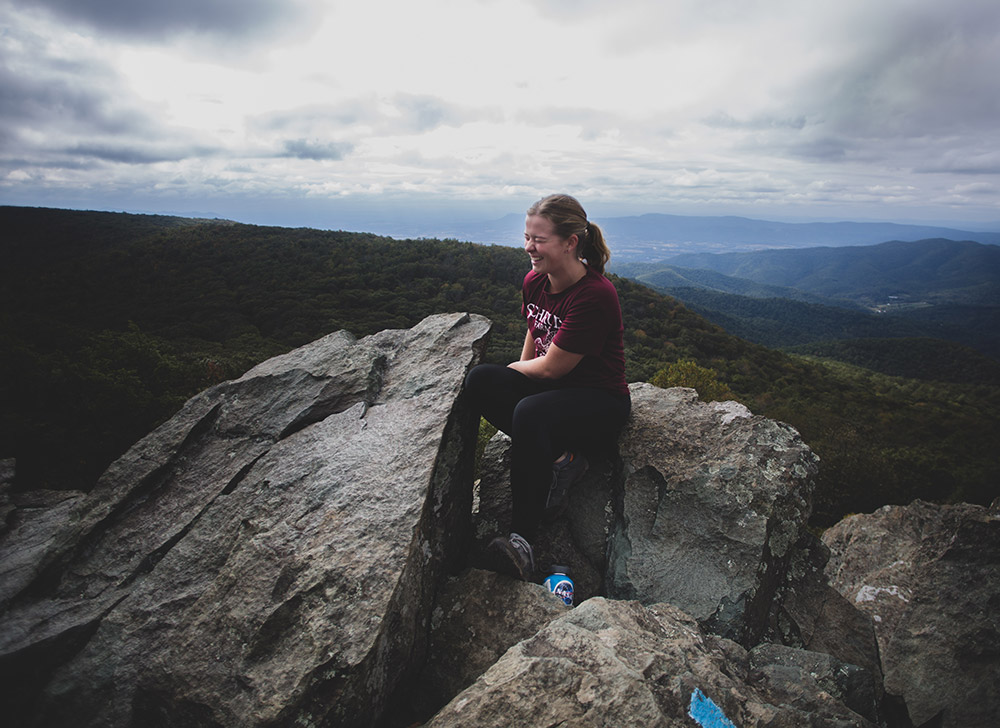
x=565 y=474
x=512 y=556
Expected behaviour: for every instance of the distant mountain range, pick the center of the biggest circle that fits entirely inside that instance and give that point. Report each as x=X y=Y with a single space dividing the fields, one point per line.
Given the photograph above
x=673 y=277
x=941 y=289
x=928 y=271
x=652 y=237
x=655 y=237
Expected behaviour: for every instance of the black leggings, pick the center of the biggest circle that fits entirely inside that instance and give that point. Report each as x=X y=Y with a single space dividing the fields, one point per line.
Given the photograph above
x=543 y=421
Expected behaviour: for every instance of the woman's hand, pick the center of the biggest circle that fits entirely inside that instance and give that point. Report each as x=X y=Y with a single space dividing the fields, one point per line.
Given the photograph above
x=556 y=364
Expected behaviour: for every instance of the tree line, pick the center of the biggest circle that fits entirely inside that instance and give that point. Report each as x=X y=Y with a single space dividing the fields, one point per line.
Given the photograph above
x=110 y=322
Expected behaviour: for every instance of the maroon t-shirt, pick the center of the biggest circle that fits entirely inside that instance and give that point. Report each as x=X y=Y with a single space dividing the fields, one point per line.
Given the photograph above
x=585 y=319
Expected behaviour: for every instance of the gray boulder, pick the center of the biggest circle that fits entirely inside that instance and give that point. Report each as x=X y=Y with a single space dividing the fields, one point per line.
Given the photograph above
x=712 y=503
x=29 y=520
x=269 y=556
x=929 y=576
x=816 y=617
x=619 y=663
x=477 y=617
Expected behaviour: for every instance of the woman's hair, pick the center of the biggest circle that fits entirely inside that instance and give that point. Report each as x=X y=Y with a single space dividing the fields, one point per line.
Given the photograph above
x=568 y=217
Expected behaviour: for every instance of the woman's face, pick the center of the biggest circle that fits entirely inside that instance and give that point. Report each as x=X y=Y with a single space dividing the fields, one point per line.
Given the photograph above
x=549 y=253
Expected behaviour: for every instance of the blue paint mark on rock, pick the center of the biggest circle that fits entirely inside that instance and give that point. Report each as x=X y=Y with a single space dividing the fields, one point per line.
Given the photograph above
x=706 y=713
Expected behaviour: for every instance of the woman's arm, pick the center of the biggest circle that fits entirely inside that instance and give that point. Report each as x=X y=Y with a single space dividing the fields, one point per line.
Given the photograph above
x=557 y=363
x=528 y=350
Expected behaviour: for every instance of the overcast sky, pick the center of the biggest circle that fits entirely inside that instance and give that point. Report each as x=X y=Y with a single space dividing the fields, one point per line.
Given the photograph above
x=332 y=113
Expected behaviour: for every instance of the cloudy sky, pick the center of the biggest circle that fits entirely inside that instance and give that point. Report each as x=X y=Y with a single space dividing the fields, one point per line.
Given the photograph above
x=331 y=113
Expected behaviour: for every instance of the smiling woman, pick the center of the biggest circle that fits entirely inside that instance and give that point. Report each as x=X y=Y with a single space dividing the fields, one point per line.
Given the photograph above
x=567 y=393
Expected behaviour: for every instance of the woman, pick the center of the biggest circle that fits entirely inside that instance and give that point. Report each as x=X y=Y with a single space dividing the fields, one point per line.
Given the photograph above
x=567 y=392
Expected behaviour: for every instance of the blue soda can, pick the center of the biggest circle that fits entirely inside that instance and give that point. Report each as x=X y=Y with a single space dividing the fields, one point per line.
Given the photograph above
x=560 y=584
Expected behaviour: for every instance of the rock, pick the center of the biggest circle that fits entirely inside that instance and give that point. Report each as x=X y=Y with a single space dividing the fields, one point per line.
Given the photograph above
x=816 y=617
x=268 y=556
x=796 y=676
x=713 y=501
x=31 y=521
x=619 y=663
x=491 y=500
x=478 y=616
x=929 y=575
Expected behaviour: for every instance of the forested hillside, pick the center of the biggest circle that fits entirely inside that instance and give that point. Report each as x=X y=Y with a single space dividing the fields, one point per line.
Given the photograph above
x=930 y=360
x=672 y=277
x=110 y=321
x=783 y=323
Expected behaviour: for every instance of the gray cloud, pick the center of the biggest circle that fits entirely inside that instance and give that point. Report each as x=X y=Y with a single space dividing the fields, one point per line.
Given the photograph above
x=722 y=120
x=928 y=71
x=163 y=18
x=398 y=114
x=315 y=150
x=61 y=113
x=759 y=101
x=63 y=100
x=972 y=161
x=822 y=149
x=574 y=115
x=912 y=91
x=127 y=153
x=315 y=117
x=424 y=113
x=40 y=88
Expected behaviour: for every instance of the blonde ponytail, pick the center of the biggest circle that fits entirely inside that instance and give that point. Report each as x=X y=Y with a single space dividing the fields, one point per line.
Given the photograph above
x=593 y=249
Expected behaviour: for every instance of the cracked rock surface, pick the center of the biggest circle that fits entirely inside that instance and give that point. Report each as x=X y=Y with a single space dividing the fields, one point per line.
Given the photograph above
x=277 y=541
x=929 y=576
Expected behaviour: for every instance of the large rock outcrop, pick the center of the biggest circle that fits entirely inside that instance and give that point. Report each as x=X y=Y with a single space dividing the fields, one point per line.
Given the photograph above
x=276 y=555
x=647 y=663
x=713 y=502
x=929 y=576
x=269 y=556
x=813 y=615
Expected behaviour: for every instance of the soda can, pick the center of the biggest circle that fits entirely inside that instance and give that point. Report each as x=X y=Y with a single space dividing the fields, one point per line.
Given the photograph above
x=560 y=584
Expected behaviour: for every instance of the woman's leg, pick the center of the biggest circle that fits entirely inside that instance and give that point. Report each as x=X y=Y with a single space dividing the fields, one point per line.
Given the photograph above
x=543 y=426
x=495 y=390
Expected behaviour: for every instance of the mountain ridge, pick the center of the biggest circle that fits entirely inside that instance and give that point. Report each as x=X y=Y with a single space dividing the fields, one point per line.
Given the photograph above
x=650 y=236
x=936 y=288
x=657 y=236
x=949 y=270
x=675 y=278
